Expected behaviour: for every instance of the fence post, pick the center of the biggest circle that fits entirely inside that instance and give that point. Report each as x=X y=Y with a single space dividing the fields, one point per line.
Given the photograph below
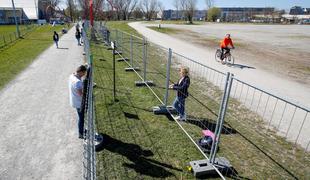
x=221 y=117
x=116 y=37
x=131 y=51
x=4 y=40
x=144 y=59
x=168 y=77
x=113 y=44
x=122 y=41
x=10 y=38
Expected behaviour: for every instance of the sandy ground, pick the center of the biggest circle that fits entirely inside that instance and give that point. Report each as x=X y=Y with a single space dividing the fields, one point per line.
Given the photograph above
x=39 y=137
x=281 y=49
x=266 y=78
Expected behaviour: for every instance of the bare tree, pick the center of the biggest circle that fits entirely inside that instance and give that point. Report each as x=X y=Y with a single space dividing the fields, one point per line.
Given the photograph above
x=71 y=9
x=125 y=8
x=149 y=8
x=97 y=8
x=209 y=3
x=177 y=5
x=189 y=7
x=137 y=13
x=161 y=8
x=183 y=7
x=52 y=6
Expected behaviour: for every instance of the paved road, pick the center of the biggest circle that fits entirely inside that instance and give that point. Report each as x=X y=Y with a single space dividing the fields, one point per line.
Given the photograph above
x=38 y=127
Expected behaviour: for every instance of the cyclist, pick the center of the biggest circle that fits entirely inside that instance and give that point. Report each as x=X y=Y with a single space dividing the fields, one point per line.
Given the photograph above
x=226 y=42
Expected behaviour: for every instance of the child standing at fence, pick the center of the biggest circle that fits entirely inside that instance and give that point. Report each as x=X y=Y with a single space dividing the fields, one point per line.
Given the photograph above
x=56 y=38
x=76 y=94
x=182 y=93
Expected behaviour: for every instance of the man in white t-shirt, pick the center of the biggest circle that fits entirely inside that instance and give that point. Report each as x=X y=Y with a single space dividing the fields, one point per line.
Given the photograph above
x=76 y=94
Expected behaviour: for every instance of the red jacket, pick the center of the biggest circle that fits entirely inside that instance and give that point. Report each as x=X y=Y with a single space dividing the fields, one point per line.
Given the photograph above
x=226 y=42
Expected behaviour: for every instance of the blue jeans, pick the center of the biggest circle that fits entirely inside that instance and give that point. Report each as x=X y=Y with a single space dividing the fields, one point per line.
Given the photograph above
x=179 y=105
x=80 y=120
x=78 y=40
x=56 y=42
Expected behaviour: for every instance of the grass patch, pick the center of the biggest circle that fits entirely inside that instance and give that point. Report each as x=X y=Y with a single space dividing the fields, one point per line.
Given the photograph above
x=165 y=30
x=121 y=25
x=254 y=151
x=17 y=56
x=8 y=33
x=180 y=22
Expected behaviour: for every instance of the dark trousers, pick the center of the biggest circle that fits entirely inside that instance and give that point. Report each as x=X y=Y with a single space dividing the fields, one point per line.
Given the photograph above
x=224 y=51
x=80 y=120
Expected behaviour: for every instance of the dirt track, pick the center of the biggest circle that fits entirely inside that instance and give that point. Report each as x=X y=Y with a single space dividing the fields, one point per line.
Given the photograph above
x=281 y=49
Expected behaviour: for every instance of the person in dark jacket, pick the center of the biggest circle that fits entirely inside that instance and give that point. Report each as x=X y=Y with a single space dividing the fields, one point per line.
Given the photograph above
x=182 y=92
x=78 y=36
x=56 y=38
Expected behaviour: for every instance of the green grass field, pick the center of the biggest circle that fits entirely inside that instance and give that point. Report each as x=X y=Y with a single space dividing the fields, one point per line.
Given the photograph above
x=19 y=54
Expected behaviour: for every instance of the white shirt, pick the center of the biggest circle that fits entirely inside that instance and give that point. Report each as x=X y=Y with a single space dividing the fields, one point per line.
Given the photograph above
x=180 y=80
x=75 y=84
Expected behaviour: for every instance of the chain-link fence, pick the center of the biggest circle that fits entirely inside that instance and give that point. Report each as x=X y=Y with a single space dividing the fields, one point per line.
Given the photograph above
x=10 y=37
x=90 y=137
x=243 y=120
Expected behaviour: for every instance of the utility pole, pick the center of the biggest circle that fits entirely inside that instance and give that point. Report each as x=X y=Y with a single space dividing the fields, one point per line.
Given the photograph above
x=35 y=4
x=16 y=23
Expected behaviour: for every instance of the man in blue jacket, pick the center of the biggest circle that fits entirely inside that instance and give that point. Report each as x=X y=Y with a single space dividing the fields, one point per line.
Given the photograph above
x=182 y=92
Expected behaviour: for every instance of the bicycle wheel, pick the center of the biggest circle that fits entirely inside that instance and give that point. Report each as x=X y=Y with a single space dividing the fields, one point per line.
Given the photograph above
x=230 y=60
x=218 y=55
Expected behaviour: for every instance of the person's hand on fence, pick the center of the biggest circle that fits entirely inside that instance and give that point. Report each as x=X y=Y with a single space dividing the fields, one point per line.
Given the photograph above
x=171 y=86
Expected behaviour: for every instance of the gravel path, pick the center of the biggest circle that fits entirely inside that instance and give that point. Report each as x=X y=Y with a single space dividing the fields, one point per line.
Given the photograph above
x=39 y=137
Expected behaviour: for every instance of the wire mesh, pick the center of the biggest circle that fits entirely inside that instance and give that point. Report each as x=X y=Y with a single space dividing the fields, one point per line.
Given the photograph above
x=89 y=163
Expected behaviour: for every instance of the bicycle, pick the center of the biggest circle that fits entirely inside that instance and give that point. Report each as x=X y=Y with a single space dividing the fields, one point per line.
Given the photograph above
x=228 y=58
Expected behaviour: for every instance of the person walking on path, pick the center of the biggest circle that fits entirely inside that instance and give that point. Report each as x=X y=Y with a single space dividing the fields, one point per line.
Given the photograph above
x=76 y=94
x=56 y=38
x=182 y=92
x=78 y=36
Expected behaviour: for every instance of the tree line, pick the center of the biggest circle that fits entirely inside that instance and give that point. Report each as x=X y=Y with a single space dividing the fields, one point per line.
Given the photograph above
x=133 y=9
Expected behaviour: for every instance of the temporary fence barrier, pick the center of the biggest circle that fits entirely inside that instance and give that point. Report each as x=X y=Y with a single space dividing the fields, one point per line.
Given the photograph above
x=251 y=118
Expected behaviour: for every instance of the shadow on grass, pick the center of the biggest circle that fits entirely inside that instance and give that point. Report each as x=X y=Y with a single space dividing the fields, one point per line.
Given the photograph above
x=210 y=124
x=131 y=116
x=138 y=157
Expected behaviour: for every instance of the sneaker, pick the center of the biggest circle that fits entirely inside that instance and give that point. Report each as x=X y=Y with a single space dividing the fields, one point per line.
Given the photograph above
x=182 y=119
x=177 y=117
x=81 y=136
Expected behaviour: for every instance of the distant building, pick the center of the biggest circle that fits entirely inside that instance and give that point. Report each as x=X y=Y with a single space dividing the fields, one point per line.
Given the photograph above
x=7 y=15
x=243 y=14
x=177 y=15
x=296 y=10
x=29 y=10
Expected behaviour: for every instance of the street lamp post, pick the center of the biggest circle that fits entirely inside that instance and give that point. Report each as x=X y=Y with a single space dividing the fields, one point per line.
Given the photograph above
x=16 y=23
